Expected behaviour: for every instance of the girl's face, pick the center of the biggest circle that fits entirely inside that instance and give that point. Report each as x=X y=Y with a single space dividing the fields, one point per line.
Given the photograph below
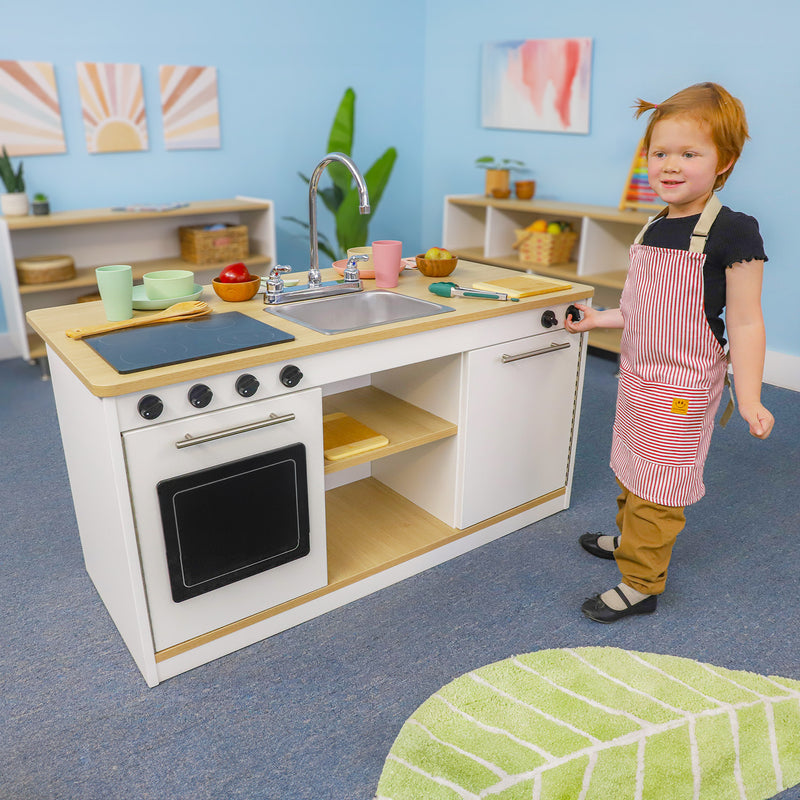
x=682 y=164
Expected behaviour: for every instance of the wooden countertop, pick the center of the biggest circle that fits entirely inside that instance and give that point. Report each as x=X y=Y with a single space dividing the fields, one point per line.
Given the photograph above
x=103 y=381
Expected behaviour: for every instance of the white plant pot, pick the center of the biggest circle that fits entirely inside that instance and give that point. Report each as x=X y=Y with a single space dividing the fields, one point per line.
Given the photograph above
x=14 y=204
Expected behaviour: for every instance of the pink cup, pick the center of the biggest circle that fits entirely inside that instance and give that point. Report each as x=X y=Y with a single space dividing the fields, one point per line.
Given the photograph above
x=387 y=261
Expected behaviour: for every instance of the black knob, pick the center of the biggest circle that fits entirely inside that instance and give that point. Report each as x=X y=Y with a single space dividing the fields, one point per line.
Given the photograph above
x=575 y=313
x=200 y=395
x=549 y=319
x=247 y=385
x=290 y=375
x=150 y=406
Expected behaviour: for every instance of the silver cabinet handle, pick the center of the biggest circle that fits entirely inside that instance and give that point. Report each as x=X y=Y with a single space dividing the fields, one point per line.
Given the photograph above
x=541 y=351
x=273 y=419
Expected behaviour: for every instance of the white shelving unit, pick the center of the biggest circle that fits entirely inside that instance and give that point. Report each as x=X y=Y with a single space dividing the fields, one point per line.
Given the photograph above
x=146 y=240
x=483 y=229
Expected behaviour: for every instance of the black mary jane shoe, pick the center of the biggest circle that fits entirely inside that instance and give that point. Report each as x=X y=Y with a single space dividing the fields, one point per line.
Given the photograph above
x=588 y=542
x=598 y=611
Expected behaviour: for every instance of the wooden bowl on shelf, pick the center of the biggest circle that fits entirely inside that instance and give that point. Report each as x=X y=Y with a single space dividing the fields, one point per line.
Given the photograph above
x=436 y=267
x=236 y=292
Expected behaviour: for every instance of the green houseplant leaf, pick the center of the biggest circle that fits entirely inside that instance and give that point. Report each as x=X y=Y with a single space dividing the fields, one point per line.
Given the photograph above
x=341 y=198
x=352 y=227
x=13 y=181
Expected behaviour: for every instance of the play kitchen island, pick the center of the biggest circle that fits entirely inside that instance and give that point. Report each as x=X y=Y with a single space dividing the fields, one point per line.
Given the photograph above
x=210 y=516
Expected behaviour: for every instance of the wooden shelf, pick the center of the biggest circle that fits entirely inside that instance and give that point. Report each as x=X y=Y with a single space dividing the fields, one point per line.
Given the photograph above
x=93 y=216
x=370 y=528
x=404 y=424
x=85 y=276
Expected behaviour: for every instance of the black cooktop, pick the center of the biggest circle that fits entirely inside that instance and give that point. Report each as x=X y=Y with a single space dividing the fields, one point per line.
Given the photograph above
x=168 y=343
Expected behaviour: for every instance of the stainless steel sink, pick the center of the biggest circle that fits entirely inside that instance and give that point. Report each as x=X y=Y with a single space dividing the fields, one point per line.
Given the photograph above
x=353 y=312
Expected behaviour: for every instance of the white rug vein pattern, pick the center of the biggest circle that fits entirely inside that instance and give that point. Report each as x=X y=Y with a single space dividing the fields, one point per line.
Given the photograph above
x=596 y=723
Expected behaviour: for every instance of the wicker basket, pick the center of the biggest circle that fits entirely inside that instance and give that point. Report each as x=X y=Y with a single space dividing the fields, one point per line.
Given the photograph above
x=543 y=249
x=201 y=246
x=45 y=269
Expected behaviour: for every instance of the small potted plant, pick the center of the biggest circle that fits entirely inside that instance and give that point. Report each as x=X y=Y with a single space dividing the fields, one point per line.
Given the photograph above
x=498 y=171
x=15 y=201
x=41 y=205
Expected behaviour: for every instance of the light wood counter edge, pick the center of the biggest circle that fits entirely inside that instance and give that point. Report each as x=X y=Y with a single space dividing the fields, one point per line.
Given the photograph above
x=103 y=381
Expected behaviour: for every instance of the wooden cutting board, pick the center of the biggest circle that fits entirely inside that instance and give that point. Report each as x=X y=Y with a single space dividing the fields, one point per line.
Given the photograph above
x=343 y=436
x=523 y=285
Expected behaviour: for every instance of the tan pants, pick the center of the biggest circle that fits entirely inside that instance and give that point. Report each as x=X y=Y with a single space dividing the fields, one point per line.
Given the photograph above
x=648 y=532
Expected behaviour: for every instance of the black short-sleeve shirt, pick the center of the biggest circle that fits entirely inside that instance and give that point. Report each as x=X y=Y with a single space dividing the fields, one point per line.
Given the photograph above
x=733 y=237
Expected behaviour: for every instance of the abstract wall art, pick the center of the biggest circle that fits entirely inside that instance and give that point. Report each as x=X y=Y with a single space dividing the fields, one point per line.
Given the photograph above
x=537 y=85
x=30 y=116
x=114 y=117
x=190 y=107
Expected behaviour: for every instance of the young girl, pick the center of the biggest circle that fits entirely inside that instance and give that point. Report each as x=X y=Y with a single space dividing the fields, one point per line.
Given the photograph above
x=694 y=259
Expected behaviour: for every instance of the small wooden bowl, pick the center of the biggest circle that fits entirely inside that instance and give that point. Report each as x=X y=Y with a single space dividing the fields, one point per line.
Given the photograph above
x=436 y=267
x=236 y=292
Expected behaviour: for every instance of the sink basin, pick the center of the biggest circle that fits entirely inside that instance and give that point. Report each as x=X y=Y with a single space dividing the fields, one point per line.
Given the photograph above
x=352 y=312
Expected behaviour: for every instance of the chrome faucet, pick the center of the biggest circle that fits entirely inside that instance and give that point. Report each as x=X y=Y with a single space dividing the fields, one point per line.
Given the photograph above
x=314 y=278
x=275 y=290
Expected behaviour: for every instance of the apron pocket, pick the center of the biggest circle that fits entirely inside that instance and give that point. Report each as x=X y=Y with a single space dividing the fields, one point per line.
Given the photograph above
x=658 y=422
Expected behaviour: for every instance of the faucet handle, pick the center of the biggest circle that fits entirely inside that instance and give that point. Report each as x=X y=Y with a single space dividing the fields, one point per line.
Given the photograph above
x=351 y=272
x=275 y=282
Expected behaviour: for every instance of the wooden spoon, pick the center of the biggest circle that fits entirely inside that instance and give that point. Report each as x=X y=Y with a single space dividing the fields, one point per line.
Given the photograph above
x=185 y=310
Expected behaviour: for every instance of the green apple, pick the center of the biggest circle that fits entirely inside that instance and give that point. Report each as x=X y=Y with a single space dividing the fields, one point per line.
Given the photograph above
x=554 y=227
x=438 y=252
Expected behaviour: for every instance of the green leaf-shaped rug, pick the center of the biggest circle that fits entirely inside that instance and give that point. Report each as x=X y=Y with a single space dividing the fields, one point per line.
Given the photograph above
x=599 y=723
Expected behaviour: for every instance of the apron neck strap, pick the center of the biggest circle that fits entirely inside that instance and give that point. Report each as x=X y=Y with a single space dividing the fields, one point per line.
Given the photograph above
x=697 y=242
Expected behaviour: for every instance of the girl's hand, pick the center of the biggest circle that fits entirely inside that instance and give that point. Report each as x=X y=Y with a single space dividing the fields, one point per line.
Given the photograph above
x=759 y=419
x=588 y=319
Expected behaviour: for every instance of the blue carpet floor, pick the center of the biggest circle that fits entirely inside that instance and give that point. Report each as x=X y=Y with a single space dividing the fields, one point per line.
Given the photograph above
x=312 y=713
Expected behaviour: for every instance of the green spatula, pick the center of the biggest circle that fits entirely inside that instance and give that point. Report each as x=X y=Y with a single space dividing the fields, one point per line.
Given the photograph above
x=450 y=289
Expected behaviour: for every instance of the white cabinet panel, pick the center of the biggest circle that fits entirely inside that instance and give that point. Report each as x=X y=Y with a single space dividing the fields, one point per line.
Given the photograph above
x=517 y=420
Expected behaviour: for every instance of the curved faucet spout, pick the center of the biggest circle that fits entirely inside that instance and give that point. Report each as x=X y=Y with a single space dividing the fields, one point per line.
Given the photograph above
x=314 y=278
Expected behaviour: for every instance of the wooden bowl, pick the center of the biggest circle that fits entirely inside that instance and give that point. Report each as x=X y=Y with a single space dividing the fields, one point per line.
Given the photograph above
x=436 y=267
x=236 y=292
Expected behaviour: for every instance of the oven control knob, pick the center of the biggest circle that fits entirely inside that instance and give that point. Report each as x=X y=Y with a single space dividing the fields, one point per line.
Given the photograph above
x=575 y=312
x=150 y=406
x=247 y=385
x=290 y=375
x=200 y=395
x=549 y=319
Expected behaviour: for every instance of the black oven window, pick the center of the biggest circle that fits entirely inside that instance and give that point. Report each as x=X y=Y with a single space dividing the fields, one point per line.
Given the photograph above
x=232 y=521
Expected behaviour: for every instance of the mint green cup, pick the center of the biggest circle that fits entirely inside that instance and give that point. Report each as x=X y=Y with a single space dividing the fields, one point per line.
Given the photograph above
x=115 y=283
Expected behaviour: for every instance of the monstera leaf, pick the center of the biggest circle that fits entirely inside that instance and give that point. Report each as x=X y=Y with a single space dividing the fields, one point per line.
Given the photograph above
x=598 y=723
x=341 y=197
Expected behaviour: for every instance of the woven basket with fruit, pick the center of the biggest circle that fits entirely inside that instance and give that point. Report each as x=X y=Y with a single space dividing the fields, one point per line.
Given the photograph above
x=544 y=243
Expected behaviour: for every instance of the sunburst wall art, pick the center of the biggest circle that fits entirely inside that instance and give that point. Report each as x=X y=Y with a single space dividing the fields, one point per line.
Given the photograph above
x=113 y=107
x=190 y=107
x=537 y=85
x=30 y=116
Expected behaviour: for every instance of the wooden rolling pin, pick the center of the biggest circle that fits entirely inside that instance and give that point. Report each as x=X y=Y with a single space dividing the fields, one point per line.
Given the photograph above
x=186 y=310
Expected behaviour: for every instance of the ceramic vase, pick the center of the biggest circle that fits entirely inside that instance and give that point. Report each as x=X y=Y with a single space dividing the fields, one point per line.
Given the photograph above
x=14 y=204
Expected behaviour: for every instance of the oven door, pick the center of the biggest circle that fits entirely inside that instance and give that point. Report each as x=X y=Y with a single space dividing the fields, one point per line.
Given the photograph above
x=229 y=512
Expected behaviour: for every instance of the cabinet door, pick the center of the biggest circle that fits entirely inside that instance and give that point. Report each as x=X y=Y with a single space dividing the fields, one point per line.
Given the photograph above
x=520 y=399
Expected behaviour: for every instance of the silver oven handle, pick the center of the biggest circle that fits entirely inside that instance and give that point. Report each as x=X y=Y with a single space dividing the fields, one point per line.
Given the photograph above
x=551 y=349
x=273 y=419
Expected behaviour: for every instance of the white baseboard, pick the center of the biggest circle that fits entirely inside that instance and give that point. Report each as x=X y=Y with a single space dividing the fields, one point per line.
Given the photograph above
x=781 y=369
x=7 y=349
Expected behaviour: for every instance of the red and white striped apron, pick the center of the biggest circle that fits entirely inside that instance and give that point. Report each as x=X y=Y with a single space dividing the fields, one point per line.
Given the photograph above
x=672 y=371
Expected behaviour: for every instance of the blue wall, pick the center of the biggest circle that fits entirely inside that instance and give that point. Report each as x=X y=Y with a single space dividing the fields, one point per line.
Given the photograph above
x=282 y=68
x=639 y=50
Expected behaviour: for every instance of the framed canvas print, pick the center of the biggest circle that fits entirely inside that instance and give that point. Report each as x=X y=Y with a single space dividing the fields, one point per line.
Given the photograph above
x=189 y=107
x=537 y=85
x=30 y=115
x=112 y=99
